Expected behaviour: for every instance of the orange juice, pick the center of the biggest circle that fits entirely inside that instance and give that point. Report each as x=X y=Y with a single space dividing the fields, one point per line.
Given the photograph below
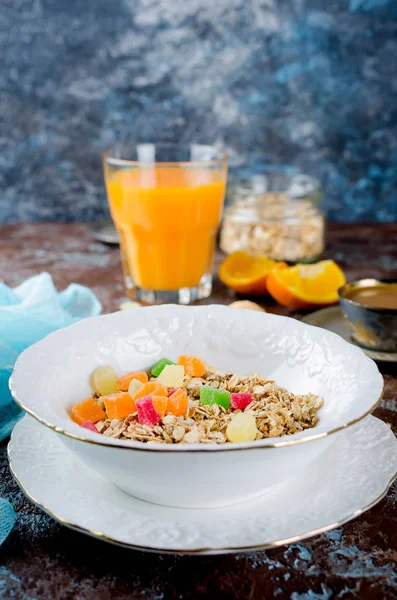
x=167 y=218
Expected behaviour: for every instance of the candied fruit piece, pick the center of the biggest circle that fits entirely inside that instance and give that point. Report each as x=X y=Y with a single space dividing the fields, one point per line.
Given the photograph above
x=147 y=414
x=90 y=425
x=104 y=381
x=134 y=386
x=160 y=403
x=210 y=395
x=241 y=399
x=119 y=405
x=159 y=366
x=242 y=428
x=152 y=388
x=178 y=403
x=194 y=367
x=88 y=410
x=124 y=381
x=172 y=376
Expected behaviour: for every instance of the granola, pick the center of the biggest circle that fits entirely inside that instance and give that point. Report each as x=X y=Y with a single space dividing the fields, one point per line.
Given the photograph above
x=276 y=411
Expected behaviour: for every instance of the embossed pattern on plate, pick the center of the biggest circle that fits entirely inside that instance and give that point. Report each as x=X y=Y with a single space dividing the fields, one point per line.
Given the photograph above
x=351 y=477
x=300 y=358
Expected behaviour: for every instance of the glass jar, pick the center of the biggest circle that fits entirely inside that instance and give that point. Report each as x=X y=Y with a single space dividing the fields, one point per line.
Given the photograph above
x=277 y=216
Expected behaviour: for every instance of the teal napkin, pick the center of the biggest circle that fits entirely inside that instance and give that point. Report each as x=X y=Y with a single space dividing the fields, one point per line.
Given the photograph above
x=28 y=313
x=7 y=518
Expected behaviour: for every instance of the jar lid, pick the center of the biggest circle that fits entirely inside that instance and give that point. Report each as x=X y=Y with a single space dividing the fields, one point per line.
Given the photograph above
x=275 y=196
x=296 y=186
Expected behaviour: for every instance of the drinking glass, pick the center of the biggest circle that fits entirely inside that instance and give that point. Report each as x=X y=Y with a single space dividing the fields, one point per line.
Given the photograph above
x=166 y=202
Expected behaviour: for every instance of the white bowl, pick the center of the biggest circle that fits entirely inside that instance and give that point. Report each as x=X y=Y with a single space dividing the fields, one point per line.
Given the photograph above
x=52 y=375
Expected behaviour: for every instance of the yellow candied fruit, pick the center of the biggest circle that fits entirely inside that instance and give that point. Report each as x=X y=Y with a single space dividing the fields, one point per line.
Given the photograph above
x=103 y=381
x=134 y=386
x=172 y=376
x=242 y=428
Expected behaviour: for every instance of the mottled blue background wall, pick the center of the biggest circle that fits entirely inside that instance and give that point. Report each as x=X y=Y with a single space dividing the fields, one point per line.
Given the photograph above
x=311 y=83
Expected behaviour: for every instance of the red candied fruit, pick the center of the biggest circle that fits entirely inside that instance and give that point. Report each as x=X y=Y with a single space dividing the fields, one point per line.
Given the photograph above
x=90 y=425
x=147 y=414
x=241 y=400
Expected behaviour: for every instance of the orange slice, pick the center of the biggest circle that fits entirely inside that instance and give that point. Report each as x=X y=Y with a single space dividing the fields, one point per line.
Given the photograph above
x=247 y=274
x=307 y=286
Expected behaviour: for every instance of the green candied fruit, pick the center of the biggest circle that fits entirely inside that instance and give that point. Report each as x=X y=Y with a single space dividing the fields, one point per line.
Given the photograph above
x=210 y=395
x=159 y=366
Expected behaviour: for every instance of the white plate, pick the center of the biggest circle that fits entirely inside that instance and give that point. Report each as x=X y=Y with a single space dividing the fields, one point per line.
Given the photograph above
x=333 y=319
x=352 y=476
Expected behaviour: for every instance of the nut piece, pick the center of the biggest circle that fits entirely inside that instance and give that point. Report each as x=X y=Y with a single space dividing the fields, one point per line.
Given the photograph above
x=247 y=304
x=217 y=436
x=129 y=304
x=178 y=433
x=192 y=437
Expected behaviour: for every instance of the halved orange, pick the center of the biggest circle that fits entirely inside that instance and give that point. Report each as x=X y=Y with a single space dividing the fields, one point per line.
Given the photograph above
x=307 y=286
x=247 y=274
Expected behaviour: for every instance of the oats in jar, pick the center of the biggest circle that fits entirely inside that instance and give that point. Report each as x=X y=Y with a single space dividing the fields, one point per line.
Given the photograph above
x=285 y=225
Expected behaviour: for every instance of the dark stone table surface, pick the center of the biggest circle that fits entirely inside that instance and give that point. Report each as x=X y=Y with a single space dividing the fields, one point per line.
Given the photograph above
x=44 y=560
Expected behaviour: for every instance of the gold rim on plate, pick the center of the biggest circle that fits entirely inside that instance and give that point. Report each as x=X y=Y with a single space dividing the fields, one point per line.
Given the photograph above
x=231 y=549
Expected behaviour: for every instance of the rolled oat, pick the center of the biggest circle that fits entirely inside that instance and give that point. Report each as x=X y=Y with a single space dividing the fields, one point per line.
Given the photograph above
x=277 y=413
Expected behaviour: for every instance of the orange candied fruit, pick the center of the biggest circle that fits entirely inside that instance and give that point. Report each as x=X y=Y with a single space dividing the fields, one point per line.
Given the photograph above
x=178 y=403
x=194 y=367
x=160 y=404
x=119 y=405
x=123 y=383
x=152 y=388
x=88 y=410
